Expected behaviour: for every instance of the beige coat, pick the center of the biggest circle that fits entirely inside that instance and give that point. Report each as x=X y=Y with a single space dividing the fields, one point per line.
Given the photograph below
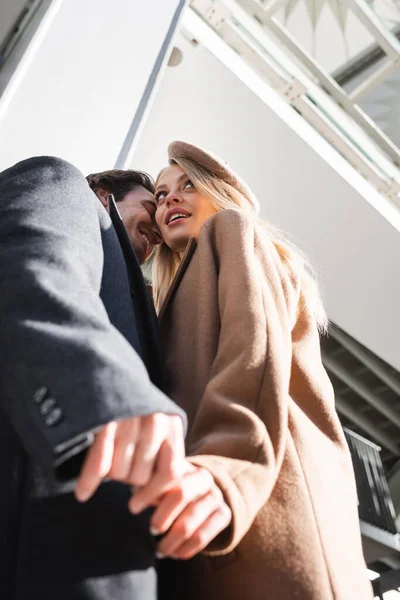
x=244 y=358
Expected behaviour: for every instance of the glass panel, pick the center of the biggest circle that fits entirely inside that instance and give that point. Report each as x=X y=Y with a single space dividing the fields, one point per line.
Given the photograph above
x=327 y=30
x=381 y=103
x=357 y=139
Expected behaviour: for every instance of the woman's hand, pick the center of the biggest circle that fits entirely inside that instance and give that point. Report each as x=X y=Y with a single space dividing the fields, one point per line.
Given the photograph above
x=192 y=512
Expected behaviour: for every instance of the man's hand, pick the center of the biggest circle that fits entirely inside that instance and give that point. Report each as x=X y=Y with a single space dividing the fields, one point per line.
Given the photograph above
x=192 y=510
x=134 y=451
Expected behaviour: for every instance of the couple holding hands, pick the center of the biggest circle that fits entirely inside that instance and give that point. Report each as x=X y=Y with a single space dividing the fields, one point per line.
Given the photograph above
x=205 y=437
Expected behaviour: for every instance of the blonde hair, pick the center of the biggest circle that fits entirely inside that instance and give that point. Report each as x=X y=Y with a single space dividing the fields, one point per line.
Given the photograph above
x=224 y=196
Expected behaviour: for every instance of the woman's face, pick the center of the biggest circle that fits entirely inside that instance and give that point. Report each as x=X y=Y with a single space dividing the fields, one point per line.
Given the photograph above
x=181 y=209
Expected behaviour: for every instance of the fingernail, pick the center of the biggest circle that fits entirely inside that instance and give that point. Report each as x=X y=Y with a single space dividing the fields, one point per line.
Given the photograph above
x=135 y=508
x=160 y=555
x=154 y=531
x=82 y=495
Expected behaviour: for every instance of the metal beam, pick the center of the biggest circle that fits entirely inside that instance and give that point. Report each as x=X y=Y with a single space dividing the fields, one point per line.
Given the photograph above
x=125 y=156
x=377 y=77
x=236 y=38
x=269 y=64
x=388 y=42
x=353 y=150
x=362 y=390
x=263 y=11
x=366 y=358
x=367 y=425
x=363 y=61
x=335 y=91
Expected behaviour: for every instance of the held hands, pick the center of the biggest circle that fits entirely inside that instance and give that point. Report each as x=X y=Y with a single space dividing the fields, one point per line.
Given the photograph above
x=148 y=453
x=191 y=512
x=134 y=451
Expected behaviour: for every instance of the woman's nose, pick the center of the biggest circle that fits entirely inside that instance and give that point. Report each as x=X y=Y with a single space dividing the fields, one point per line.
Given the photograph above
x=173 y=199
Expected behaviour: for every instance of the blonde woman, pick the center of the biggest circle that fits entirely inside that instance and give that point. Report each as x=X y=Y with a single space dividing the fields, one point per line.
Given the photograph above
x=240 y=319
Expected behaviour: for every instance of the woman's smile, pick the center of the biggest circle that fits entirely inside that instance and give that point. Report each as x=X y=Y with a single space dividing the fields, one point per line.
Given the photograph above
x=176 y=215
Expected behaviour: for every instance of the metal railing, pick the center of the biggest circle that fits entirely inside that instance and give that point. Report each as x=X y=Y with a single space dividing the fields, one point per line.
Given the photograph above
x=375 y=504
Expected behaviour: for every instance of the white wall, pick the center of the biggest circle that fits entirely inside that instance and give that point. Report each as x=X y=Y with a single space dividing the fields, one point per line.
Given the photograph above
x=77 y=90
x=355 y=249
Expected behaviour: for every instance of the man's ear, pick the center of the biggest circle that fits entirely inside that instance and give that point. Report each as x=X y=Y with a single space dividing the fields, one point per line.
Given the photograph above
x=102 y=195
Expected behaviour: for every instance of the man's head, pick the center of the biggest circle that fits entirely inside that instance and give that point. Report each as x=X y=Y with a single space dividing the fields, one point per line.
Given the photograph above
x=133 y=191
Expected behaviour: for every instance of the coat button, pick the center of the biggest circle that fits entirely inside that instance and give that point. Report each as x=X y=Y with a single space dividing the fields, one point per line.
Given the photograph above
x=40 y=395
x=47 y=405
x=54 y=417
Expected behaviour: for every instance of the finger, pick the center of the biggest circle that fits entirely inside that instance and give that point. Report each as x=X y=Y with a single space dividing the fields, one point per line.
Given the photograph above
x=205 y=534
x=149 y=495
x=166 y=475
x=172 y=457
x=124 y=448
x=97 y=463
x=177 y=439
x=187 y=523
x=191 y=486
x=153 y=431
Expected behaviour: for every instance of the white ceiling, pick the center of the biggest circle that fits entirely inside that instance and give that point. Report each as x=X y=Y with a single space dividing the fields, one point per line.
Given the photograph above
x=355 y=250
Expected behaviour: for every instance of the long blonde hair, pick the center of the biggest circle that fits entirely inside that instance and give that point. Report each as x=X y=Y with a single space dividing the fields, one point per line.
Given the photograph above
x=224 y=196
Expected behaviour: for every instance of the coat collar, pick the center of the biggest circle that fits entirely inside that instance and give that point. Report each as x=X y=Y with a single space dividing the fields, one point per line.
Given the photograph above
x=190 y=248
x=142 y=304
x=132 y=263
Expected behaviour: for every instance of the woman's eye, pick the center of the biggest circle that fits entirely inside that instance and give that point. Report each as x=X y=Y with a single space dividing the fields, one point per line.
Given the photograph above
x=188 y=184
x=160 y=196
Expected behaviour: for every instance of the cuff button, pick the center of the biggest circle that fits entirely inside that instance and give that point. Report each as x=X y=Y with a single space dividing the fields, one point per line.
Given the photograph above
x=54 y=417
x=40 y=395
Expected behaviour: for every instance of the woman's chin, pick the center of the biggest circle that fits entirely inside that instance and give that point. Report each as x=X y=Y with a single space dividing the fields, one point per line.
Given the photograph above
x=177 y=240
x=177 y=243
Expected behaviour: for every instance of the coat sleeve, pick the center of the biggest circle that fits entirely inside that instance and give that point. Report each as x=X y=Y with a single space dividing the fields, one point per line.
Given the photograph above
x=239 y=433
x=64 y=369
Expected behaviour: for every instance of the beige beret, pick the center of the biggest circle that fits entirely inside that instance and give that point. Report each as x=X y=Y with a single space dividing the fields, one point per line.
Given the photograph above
x=215 y=165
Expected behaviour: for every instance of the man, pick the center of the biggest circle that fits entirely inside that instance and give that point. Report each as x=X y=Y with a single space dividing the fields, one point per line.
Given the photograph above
x=78 y=332
x=133 y=192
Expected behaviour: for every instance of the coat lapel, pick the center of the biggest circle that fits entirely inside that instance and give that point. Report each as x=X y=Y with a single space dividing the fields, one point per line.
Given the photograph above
x=190 y=248
x=142 y=304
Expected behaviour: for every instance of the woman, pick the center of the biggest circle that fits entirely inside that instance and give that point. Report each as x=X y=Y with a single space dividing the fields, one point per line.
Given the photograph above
x=240 y=320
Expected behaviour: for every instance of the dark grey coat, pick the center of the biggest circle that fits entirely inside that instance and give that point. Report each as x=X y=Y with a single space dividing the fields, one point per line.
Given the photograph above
x=75 y=320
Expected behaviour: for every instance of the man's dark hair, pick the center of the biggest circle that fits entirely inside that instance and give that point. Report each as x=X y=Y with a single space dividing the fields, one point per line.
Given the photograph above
x=119 y=183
